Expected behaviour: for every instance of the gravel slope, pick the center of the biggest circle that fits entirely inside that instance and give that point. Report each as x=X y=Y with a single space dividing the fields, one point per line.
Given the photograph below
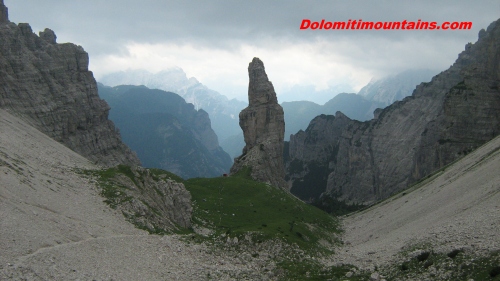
x=455 y=209
x=55 y=226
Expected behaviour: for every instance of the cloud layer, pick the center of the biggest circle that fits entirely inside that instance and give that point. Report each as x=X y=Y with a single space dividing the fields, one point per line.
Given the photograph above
x=215 y=40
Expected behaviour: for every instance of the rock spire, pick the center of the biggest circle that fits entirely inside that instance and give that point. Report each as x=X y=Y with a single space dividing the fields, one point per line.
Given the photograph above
x=263 y=127
x=4 y=12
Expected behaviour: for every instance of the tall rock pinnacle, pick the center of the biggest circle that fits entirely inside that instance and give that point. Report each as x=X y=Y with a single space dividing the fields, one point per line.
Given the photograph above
x=263 y=127
x=4 y=12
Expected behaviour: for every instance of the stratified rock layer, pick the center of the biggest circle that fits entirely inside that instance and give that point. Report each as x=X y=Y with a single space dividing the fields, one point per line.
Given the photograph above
x=456 y=112
x=49 y=85
x=263 y=126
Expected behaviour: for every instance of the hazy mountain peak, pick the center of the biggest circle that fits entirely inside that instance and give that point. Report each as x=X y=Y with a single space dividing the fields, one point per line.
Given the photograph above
x=395 y=87
x=311 y=93
x=170 y=79
x=222 y=111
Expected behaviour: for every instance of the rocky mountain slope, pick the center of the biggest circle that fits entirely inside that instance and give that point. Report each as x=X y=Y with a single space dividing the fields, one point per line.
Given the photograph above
x=442 y=121
x=49 y=85
x=396 y=87
x=54 y=224
x=361 y=106
x=166 y=132
x=263 y=127
x=44 y=234
x=454 y=215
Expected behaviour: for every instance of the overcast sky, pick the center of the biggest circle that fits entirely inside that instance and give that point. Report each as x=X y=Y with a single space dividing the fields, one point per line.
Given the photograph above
x=215 y=40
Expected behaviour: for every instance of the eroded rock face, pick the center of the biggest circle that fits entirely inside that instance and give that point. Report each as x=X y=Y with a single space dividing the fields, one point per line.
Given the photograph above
x=49 y=85
x=154 y=202
x=362 y=162
x=263 y=126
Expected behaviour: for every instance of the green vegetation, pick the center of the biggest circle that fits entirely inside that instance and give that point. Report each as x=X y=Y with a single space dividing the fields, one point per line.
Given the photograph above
x=237 y=208
x=310 y=270
x=159 y=173
x=237 y=205
x=115 y=194
x=240 y=207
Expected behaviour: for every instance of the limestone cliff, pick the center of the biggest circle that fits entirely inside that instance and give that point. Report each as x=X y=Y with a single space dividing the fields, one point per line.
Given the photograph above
x=263 y=128
x=49 y=85
x=443 y=120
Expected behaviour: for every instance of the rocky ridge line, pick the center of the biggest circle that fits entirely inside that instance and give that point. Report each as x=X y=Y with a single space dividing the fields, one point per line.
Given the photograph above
x=442 y=121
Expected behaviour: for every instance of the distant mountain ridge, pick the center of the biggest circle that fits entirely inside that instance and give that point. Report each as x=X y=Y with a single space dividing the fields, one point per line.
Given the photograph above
x=298 y=114
x=310 y=93
x=222 y=111
x=166 y=132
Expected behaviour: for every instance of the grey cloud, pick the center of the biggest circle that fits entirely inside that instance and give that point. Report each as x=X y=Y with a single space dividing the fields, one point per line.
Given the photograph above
x=104 y=27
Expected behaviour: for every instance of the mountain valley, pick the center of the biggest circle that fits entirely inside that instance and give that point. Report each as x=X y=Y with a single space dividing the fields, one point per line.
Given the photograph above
x=166 y=132
x=223 y=112
x=76 y=204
